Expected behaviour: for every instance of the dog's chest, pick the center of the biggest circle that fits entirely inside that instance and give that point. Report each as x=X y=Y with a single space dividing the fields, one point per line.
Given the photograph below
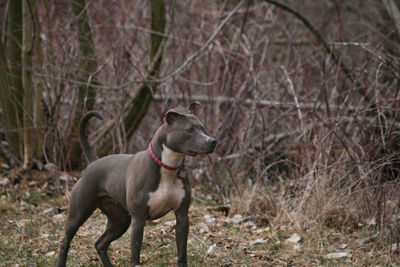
x=168 y=195
x=170 y=191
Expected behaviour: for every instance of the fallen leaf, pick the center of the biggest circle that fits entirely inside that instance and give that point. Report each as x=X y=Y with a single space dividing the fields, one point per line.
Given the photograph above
x=32 y=183
x=211 y=249
x=258 y=241
x=45 y=236
x=50 y=254
x=395 y=247
x=59 y=217
x=338 y=255
x=51 y=211
x=294 y=239
x=5 y=166
x=4 y=182
x=209 y=218
x=266 y=229
x=50 y=167
x=66 y=178
x=236 y=219
x=22 y=223
x=170 y=223
x=370 y=221
x=223 y=209
x=296 y=247
x=203 y=229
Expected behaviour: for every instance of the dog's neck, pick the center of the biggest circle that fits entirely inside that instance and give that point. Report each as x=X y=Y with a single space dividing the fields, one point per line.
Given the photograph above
x=170 y=157
x=158 y=141
x=165 y=154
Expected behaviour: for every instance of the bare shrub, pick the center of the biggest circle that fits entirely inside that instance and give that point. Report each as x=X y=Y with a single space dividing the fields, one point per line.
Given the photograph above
x=301 y=140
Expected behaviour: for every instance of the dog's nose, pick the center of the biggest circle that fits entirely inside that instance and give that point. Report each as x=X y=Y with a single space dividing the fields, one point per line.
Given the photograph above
x=213 y=143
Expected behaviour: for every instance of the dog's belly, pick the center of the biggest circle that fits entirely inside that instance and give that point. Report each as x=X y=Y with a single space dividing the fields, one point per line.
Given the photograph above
x=168 y=196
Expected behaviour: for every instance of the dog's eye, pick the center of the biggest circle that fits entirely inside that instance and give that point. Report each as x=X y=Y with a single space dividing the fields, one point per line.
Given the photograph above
x=190 y=130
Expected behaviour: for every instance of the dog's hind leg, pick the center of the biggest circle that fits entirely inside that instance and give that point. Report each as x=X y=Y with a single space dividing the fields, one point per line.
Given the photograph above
x=79 y=212
x=118 y=222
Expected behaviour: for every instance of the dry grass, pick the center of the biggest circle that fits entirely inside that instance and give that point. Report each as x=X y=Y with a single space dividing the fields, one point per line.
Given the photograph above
x=330 y=208
x=32 y=238
x=302 y=148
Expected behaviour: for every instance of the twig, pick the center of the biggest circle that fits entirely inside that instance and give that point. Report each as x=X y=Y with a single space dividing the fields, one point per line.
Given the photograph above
x=99 y=68
x=293 y=93
x=393 y=11
x=182 y=67
x=246 y=101
x=176 y=71
x=363 y=46
x=317 y=35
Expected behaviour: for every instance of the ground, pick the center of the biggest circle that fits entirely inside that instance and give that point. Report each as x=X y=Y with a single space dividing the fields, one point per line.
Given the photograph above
x=32 y=222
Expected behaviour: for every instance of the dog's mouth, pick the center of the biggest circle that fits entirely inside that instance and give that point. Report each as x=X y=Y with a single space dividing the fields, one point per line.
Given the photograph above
x=205 y=151
x=194 y=154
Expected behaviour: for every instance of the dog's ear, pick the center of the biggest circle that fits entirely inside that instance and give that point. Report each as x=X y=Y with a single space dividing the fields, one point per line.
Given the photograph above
x=171 y=116
x=193 y=107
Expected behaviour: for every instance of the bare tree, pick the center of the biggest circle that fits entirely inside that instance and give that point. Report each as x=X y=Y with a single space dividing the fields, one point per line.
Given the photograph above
x=14 y=94
x=17 y=89
x=28 y=43
x=303 y=97
x=143 y=95
x=86 y=91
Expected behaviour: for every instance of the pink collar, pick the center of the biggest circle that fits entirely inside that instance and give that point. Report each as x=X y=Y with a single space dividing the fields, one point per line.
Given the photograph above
x=159 y=162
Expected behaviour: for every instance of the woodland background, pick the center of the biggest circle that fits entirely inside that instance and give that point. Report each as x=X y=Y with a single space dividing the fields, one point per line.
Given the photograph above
x=303 y=97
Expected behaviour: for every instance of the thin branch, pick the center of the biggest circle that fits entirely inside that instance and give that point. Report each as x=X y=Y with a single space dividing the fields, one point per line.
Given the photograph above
x=184 y=65
x=246 y=101
x=393 y=11
x=293 y=93
x=177 y=71
x=317 y=35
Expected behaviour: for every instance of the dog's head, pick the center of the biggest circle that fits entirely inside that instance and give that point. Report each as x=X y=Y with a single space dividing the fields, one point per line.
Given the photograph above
x=186 y=134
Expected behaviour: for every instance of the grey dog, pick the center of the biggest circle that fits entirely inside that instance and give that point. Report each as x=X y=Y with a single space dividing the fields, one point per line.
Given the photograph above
x=133 y=188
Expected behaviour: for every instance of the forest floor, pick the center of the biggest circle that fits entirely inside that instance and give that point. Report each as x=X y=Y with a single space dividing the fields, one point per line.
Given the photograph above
x=33 y=212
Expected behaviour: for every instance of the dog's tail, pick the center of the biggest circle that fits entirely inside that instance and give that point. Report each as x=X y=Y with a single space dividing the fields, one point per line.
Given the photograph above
x=89 y=152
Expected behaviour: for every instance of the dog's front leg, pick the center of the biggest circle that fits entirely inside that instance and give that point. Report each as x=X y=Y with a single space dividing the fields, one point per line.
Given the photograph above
x=137 y=226
x=181 y=232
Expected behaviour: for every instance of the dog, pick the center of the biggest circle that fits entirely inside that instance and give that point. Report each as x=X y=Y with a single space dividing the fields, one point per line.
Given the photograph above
x=131 y=189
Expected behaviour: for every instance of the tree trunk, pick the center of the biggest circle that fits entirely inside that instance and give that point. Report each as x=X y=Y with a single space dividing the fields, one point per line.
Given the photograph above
x=141 y=102
x=27 y=47
x=38 y=89
x=16 y=92
x=8 y=118
x=86 y=93
x=144 y=94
